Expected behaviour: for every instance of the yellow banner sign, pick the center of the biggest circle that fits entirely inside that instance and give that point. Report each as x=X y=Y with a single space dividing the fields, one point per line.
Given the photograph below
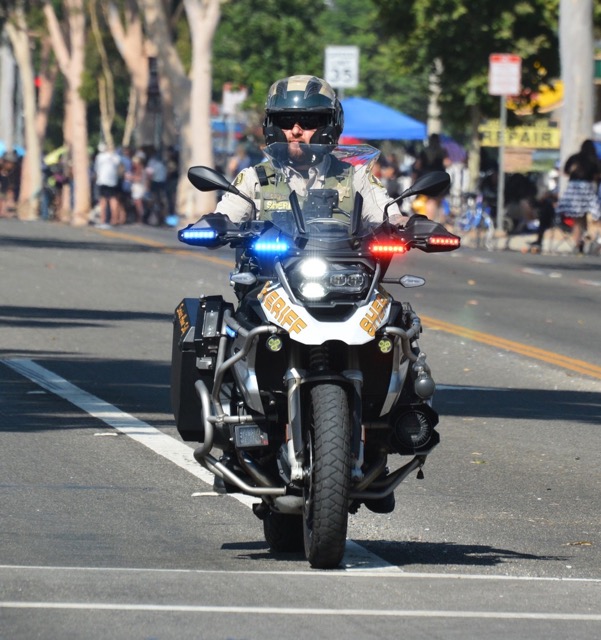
x=536 y=137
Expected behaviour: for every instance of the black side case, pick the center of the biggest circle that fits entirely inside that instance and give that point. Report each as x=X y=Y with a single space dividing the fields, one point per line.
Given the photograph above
x=196 y=332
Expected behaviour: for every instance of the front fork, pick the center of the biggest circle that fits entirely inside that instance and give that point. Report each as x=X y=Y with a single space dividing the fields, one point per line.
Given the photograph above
x=352 y=381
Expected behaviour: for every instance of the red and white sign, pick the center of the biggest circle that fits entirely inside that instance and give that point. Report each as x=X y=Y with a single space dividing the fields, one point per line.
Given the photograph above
x=504 y=74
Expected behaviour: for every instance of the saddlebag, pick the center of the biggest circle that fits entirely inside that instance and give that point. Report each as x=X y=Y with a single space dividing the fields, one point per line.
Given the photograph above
x=196 y=330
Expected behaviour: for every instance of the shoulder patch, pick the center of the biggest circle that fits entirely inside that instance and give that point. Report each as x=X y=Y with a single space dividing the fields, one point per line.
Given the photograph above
x=238 y=179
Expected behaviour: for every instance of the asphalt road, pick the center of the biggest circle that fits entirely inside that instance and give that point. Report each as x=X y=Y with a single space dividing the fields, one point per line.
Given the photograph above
x=110 y=530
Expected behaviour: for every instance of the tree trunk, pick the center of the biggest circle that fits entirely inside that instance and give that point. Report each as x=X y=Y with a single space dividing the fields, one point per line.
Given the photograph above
x=7 y=92
x=434 y=91
x=203 y=18
x=576 y=54
x=46 y=78
x=106 y=91
x=71 y=62
x=31 y=173
x=130 y=41
x=175 y=87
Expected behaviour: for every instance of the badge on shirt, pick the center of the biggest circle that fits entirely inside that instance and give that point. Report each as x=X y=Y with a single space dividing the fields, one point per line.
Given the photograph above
x=374 y=180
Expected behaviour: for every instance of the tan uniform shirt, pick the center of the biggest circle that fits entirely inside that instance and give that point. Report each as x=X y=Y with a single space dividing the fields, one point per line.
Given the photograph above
x=375 y=196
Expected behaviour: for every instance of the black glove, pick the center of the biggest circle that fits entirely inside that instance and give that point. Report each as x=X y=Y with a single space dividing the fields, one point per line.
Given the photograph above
x=219 y=222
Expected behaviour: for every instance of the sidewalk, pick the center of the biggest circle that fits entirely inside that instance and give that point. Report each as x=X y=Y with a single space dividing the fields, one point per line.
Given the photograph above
x=554 y=242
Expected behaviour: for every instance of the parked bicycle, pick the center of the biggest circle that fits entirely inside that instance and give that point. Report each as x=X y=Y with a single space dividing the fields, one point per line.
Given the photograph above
x=475 y=217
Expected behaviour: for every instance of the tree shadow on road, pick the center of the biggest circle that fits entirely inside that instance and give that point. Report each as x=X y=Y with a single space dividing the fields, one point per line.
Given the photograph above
x=520 y=404
x=407 y=553
x=446 y=553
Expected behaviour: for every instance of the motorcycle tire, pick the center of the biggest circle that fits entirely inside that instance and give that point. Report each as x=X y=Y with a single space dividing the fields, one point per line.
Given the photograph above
x=284 y=532
x=328 y=467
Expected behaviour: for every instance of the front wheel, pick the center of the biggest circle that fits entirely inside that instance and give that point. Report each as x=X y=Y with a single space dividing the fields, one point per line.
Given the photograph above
x=328 y=476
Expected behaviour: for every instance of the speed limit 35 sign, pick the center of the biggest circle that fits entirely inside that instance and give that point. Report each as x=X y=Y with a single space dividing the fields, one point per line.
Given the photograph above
x=342 y=67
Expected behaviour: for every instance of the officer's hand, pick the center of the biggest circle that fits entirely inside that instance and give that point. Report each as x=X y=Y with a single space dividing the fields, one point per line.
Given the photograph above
x=218 y=221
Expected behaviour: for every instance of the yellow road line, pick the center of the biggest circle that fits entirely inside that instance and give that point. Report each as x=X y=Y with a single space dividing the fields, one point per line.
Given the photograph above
x=579 y=366
x=164 y=248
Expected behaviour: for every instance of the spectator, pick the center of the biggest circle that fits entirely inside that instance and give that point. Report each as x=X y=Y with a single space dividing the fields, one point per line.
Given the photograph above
x=9 y=184
x=433 y=157
x=240 y=160
x=391 y=174
x=520 y=199
x=125 y=155
x=106 y=171
x=172 y=180
x=138 y=180
x=156 y=170
x=580 y=197
x=545 y=209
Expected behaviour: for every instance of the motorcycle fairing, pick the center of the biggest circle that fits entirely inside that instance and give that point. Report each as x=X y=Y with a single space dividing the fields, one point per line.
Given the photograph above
x=302 y=327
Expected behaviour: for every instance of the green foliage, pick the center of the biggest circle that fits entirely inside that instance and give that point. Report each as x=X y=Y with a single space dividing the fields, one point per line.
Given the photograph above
x=258 y=42
x=382 y=75
x=463 y=34
x=183 y=43
x=89 y=86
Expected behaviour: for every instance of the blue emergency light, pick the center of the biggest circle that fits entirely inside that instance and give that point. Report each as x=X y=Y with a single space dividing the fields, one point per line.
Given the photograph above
x=197 y=236
x=270 y=246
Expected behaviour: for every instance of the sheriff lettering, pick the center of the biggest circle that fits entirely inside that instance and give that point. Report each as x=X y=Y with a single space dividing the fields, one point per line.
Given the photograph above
x=282 y=313
x=374 y=316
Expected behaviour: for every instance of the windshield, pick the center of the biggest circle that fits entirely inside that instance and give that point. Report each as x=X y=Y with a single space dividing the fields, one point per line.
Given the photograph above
x=313 y=189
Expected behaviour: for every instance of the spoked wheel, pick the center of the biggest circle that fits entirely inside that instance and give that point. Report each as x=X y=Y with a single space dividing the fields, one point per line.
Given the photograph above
x=328 y=476
x=284 y=532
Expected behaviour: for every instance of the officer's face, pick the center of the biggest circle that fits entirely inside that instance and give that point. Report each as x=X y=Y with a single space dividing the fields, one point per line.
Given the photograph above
x=295 y=137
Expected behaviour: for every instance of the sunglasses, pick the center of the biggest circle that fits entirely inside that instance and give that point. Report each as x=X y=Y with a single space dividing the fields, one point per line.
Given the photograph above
x=304 y=120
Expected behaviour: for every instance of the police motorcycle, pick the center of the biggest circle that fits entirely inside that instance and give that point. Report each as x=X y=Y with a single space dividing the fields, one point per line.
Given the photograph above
x=315 y=378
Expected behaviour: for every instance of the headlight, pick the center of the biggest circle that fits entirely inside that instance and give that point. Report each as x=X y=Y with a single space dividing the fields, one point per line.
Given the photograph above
x=313 y=268
x=313 y=290
x=315 y=279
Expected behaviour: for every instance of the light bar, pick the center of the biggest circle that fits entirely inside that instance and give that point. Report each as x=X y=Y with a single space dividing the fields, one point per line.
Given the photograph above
x=198 y=234
x=389 y=247
x=265 y=246
x=444 y=241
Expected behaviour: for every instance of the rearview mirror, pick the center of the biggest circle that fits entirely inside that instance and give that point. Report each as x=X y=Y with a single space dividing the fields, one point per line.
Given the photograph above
x=207 y=179
x=430 y=184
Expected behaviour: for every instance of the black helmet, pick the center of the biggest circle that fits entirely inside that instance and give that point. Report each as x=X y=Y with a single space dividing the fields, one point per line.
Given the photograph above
x=307 y=95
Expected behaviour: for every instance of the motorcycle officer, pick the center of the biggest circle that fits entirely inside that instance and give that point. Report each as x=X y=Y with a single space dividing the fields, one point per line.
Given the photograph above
x=302 y=110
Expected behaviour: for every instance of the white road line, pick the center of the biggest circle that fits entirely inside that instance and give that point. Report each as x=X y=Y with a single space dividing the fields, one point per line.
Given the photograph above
x=154 y=439
x=329 y=573
x=291 y=611
x=592 y=283
x=533 y=272
x=356 y=557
